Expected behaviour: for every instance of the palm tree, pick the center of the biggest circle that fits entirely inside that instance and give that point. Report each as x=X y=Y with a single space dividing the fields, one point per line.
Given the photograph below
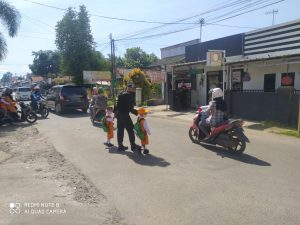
x=10 y=17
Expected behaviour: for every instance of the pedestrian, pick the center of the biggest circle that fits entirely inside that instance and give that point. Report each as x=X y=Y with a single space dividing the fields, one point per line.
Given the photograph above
x=142 y=114
x=109 y=120
x=125 y=105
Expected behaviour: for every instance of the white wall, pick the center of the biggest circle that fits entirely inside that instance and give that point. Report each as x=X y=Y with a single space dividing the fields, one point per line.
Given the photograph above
x=257 y=70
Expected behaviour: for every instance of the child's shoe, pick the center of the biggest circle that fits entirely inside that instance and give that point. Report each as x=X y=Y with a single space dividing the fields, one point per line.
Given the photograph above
x=146 y=151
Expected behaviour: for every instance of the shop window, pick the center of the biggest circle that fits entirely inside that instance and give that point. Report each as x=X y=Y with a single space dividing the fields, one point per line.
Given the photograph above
x=287 y=79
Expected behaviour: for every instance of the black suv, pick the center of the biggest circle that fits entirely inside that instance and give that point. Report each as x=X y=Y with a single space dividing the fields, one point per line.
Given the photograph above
x=62 y=97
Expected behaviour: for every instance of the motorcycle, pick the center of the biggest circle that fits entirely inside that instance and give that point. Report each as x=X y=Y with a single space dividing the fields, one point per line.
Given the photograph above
x=24 y=114
x=229 y=134
x=42 y=109
x=98 y=117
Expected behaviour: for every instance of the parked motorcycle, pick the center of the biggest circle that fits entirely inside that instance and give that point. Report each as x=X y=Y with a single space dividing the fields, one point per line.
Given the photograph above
x=42 y=109
x=24 y=114
x=229 y=134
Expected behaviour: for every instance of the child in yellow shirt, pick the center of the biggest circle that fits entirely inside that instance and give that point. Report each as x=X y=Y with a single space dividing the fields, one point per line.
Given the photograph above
x=109 y=118
x=142 y=114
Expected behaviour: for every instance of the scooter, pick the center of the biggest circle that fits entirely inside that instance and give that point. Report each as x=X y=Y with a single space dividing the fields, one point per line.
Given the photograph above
x=41 y=109
x=24 y=114
x=229 y=134
x=98 y=117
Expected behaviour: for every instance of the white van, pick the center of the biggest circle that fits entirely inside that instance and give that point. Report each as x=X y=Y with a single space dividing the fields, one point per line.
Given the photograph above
x=23 y=93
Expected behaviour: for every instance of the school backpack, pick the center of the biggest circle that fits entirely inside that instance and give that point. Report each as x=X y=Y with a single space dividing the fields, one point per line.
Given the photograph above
x=138 y=130
x=103 y=124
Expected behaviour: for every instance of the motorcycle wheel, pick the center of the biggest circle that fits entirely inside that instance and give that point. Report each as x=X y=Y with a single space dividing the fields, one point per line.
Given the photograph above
x=193 y=134
x=239 y=148
x=31 y=117
x=45 y=113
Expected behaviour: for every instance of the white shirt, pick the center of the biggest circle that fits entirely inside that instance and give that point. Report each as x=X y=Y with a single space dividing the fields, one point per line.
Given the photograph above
x=146 y=127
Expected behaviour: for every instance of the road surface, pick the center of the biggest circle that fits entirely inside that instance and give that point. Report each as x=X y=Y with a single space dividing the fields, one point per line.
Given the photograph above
x=181 y=182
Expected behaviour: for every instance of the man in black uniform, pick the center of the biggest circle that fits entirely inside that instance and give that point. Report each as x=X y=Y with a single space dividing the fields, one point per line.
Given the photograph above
x=125 y=105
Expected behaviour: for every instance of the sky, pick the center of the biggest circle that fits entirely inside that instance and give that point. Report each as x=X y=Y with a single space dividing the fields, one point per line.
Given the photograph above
x=37 y=30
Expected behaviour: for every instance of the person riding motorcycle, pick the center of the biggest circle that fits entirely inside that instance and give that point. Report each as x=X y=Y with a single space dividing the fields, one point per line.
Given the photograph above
x=99 y=102
x=35 y=97
x=216 y=111
x=8 y=105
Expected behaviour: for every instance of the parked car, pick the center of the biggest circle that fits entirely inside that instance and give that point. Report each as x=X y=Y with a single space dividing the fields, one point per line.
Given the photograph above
x=22 y=93
x=63 y=97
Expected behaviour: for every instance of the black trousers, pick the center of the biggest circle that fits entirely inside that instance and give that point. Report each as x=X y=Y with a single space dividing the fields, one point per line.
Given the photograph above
x=125 y=122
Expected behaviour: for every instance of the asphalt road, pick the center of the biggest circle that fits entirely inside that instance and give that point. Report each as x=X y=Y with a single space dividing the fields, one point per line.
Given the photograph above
x=184 y=183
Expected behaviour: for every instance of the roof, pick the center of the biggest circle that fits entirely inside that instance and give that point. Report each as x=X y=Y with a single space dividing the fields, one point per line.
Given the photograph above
x=195 y=41
x=264 y=56
x=37 y=78
x=169 y=61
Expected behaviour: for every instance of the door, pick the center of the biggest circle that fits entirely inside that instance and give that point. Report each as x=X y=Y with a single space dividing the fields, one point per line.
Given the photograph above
x=269 y=82
x=214 y=80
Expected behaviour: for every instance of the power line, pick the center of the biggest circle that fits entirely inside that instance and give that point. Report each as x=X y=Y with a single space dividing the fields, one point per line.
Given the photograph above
x=248 y=6
x=37 y=24
x=49 y=6
x=249 y=11
x=224 y=25
x=157 y=35
x=221 y=6
x=27 y=36
x=110 y=17
x=167 y=33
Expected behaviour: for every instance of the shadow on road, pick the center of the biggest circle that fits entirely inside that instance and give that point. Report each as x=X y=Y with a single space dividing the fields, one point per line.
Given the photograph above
x=245 y=158
x=145 y=160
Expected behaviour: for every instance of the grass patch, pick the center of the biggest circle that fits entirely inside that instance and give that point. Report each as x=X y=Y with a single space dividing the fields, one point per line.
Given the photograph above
x=280 y=128
x=291 y=133
x=269 y=124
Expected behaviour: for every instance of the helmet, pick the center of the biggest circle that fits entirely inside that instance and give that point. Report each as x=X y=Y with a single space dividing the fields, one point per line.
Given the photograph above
x=37 y=87
x=8 y=91
x=100 y=90
x=216 y=93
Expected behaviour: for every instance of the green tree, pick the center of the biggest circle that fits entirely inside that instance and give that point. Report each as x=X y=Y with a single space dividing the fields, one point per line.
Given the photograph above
x=138 y=77
x=6 y=78
x=99 y=62
x=45 y=62
x=75 y=42
x=137 y=58
x=10 y=17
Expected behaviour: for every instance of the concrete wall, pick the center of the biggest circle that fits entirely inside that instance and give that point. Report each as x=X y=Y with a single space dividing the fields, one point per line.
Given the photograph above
x=257 y=71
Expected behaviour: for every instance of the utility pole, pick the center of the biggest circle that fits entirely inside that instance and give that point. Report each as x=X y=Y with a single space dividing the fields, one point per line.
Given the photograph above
x=113 y=65
x=201 y=24
x=274 y=11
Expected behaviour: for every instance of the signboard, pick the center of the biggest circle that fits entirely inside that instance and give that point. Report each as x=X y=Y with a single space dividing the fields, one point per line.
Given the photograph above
x=92 y=77
x=214 y=58
x=236 y=76
x=287 y=79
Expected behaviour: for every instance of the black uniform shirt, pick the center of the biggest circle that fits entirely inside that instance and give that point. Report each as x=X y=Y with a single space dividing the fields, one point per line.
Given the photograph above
x=125 y=104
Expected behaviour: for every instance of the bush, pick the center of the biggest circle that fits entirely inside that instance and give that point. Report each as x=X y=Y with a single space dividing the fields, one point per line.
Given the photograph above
x=138 y=77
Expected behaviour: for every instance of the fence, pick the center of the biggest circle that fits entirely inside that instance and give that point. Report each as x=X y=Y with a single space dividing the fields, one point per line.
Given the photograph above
x=259 y=105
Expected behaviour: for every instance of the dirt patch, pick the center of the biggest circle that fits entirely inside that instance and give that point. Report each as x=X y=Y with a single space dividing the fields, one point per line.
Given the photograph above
x=47 y=172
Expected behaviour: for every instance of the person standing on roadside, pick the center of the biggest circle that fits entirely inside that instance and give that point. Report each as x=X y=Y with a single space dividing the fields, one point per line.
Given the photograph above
x=125 y=105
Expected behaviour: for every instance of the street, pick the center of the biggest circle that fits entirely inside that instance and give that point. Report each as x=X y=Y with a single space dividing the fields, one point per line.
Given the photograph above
x=181 y=182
